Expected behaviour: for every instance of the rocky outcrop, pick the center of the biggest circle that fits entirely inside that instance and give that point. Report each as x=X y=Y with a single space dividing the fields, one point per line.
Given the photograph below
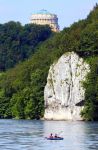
x=64 y=94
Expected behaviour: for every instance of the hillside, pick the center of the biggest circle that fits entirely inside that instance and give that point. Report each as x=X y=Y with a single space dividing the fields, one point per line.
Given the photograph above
x=22 y=88
x=18 y=42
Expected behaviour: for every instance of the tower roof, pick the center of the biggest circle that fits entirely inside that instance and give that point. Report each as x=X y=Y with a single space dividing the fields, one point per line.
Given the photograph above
x=43 y=11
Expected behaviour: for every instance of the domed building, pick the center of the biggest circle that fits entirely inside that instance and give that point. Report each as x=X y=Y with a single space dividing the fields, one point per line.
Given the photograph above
x=43 y=17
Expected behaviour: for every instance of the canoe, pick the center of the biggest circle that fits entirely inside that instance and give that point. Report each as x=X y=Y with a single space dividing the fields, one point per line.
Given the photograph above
x=57 y=138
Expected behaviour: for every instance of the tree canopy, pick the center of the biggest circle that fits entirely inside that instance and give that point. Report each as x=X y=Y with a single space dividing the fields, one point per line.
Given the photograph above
x=18 y=42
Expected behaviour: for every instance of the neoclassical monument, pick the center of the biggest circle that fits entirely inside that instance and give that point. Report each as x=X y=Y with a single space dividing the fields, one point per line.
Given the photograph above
x=43 y=17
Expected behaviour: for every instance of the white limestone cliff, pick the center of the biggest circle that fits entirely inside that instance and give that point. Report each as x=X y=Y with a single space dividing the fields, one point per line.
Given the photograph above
x=64 y=93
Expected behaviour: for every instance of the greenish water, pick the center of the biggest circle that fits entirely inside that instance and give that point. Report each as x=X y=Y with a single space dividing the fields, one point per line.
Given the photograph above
x=30 y=135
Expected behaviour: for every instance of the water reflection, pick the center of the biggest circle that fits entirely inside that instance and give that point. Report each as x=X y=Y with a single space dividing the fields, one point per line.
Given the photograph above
x=73 y=133
x=77 y=135
x=30 y=135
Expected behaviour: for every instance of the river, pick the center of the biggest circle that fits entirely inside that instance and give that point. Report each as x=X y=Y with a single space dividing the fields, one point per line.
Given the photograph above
x=30 y=135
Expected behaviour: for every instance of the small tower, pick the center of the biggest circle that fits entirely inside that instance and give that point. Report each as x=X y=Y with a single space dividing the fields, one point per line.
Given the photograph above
x=43 y=17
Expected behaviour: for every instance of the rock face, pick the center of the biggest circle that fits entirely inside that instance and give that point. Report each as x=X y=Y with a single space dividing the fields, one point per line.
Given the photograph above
x=64 y=94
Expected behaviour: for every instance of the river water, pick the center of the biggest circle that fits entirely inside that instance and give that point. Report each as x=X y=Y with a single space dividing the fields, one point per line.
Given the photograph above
x=30 y=135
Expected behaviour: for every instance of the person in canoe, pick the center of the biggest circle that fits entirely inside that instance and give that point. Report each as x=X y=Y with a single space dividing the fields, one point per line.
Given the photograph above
x=51 y=135
x=56 y=136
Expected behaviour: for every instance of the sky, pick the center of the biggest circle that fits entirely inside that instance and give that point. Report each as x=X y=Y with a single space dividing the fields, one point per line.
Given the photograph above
x=68 y=11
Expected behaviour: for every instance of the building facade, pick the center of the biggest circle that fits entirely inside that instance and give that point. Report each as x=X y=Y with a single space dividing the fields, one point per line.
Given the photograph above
x=43 y=17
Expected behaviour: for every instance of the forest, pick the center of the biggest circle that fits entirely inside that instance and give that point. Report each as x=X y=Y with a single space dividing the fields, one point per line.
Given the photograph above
x=18 y=42
x=26 y=53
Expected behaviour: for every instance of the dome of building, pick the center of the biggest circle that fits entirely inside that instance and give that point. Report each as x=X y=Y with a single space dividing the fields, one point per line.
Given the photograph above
x=43 y=11
x=43 y=17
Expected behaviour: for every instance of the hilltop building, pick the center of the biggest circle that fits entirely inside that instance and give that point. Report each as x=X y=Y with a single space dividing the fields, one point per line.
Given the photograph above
x=43 y=17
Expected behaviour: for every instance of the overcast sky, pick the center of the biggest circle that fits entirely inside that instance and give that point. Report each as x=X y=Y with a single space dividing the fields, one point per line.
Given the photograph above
x=68 y=11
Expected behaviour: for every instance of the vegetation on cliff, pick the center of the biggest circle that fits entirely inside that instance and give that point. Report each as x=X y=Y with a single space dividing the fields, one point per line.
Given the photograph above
x=18 y=42
x=22 y=88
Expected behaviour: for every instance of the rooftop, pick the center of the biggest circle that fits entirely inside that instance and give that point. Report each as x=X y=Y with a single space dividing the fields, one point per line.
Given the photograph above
x=43 y=11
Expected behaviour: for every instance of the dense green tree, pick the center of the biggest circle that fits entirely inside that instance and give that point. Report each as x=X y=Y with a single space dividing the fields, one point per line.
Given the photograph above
x=90 y=111
x=18 y=42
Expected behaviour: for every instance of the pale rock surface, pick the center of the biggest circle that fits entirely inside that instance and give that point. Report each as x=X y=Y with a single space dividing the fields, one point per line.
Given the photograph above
x=64 y=93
